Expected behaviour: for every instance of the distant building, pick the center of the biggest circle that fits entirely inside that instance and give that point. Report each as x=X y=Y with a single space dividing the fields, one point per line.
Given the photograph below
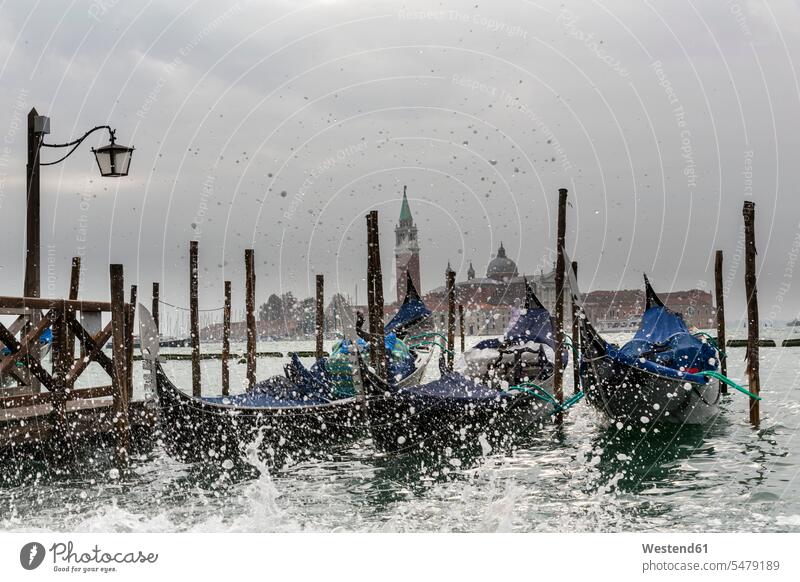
x=610 y=309
x=491 y=302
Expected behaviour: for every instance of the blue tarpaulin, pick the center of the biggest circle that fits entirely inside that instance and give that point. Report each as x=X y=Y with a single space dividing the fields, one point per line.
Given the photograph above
x=455 y=387
x=534 y=325
x=411 y=312
x=663 y=345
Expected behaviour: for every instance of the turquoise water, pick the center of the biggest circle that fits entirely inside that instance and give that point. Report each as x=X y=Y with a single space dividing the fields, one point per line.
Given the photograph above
x=585 y=476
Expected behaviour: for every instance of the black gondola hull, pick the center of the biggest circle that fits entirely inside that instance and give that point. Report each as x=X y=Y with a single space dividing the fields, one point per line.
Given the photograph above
x=405 y=421
x=194 y=430
x=625 y=393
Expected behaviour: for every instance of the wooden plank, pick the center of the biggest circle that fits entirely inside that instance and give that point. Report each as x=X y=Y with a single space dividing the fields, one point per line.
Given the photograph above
x=743 y=343
x=25 y=312
x=120 y=378
x=86 y=417
x=250 y=307
x=34 y=303
x=25 y=400
x=720 y=299
x=226 y=340
x=21 y=400
x=16 y=326
x=23 y=347
x=27 y=350
x=33 y=360
x=93 y=348
x=558 y=374
x=751 y=293
x=194 y=317
x=93 y=392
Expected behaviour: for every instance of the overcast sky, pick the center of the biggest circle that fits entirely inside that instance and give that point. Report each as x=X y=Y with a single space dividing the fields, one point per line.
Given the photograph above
x=278 y=124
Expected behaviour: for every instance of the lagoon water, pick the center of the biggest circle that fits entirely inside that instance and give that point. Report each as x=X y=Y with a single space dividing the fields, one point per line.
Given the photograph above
x=725 y=476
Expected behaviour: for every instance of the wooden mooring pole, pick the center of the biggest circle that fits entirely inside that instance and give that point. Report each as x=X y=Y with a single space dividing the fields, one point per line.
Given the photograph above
x=32 y=281
x=130 y=316
x=120 y=392
x=155 y=303
x=723 y=360
x=451 y=317
x=371 y=292
x=75 y=278
x=74 y=286
x=558 y=378
x=375 y=292
x=319 y=324
x=751 y=292
x=61 y=365
x=226 y=340
x=576 y=365
x=461 y=324
x=250 y=308
x=33 y=230
x=194 y=317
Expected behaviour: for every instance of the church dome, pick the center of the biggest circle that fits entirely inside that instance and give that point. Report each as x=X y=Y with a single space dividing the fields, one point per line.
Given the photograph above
x=501 y=268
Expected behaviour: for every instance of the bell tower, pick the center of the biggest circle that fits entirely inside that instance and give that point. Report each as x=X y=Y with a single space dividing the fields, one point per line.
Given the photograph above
x=406 y=250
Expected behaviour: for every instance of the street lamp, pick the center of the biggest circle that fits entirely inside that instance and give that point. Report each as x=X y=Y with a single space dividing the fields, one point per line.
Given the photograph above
x=113 y=160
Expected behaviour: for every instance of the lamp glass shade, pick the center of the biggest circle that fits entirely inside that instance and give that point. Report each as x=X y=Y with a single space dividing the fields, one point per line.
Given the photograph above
x=113 y=159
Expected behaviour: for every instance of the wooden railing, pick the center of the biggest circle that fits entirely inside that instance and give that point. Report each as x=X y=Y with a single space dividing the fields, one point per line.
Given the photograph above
x=28 y=380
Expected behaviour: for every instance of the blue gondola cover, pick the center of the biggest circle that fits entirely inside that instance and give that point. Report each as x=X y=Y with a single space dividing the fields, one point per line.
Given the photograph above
x=412 y=312
x=663 y=345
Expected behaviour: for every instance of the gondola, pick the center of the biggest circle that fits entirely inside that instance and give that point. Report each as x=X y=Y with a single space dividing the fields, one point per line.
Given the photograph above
x=459 y=411
x=220 y=429
x=658 y=376
x=304 y=412
x=525 y=352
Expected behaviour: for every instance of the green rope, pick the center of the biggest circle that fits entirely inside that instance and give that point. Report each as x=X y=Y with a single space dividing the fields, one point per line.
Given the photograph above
x=539 y=392
x=441 y=347
x=544 y=395
x=571 y=401
x=729 y=382
x=575 y=352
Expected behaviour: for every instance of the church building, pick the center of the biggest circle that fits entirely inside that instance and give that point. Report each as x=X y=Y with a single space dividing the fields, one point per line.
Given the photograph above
x=406 y=250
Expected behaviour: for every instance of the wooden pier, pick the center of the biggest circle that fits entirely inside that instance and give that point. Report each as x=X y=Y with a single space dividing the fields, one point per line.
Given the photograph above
x=39 y=403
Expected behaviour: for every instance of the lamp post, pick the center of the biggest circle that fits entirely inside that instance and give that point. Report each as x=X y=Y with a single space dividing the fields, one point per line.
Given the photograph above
x=113 y=160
